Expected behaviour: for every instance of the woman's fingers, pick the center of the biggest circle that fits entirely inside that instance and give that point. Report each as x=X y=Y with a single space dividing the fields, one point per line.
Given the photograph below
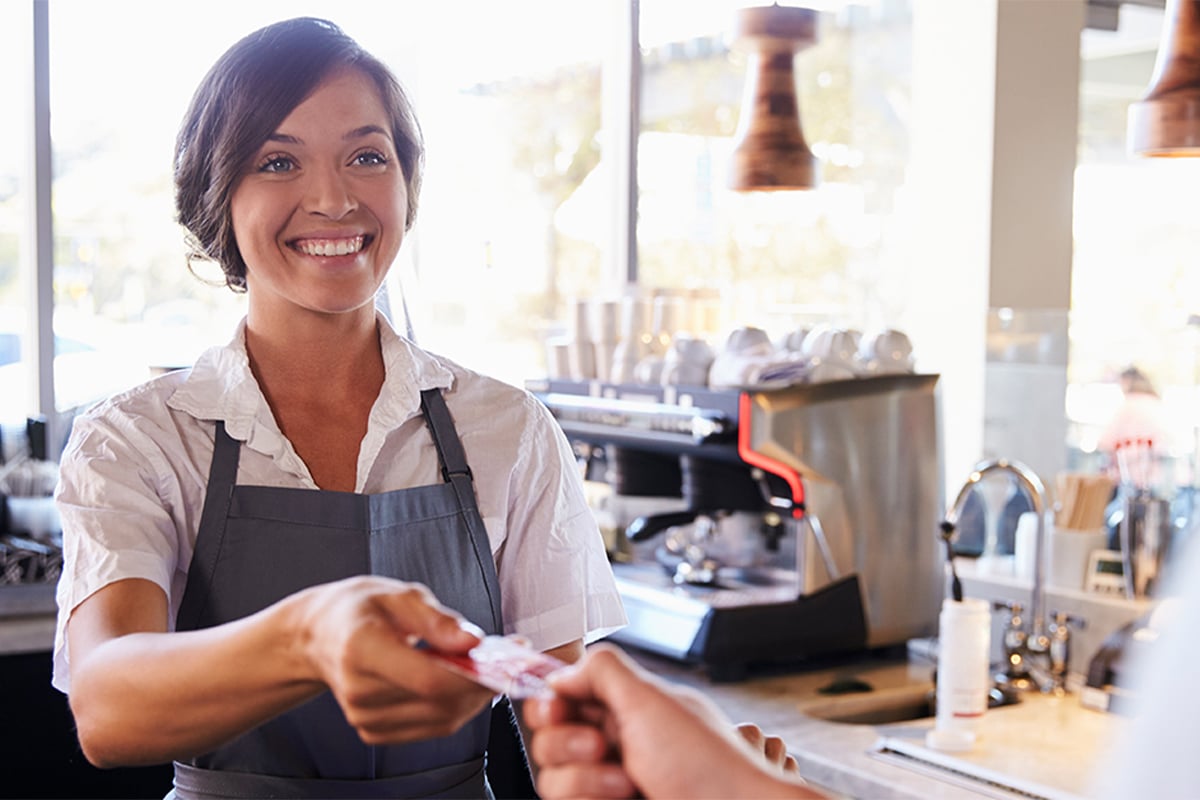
x=363 y=636
x=419 y=615
x=410 y=720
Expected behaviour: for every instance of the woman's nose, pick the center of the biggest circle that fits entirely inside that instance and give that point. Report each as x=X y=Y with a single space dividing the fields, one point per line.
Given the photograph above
x=328 y=194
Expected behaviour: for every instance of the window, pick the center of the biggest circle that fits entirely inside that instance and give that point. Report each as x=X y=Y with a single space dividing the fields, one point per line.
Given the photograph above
x=1135 y=287
x=515 y=213
x=511 y=110
x=15 y=145
x=517 y=209
x=777 y=260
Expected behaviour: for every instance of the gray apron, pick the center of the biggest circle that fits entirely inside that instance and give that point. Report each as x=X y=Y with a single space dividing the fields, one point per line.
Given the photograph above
x=258 y=544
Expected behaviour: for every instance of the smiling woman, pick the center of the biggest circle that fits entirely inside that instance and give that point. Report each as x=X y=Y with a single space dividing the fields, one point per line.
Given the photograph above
x=267 y=536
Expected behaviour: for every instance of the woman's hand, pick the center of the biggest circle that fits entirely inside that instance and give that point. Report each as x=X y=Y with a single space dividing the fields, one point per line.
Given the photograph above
x=361 y=634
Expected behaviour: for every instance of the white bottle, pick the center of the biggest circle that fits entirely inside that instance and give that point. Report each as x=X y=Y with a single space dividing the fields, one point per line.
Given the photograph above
x=963 y=680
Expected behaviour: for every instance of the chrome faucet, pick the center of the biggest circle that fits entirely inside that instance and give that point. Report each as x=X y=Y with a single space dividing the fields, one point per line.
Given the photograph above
x=1030 y=648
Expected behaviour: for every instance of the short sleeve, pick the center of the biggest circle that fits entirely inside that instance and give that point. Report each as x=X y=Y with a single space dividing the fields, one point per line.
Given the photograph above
x=116 y=520
x=556 y=581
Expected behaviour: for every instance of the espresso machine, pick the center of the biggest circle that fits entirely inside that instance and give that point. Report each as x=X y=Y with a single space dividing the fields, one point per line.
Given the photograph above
x=786 y=523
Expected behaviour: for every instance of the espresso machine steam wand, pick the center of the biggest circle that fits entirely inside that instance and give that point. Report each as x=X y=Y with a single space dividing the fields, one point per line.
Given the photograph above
x=797 y=509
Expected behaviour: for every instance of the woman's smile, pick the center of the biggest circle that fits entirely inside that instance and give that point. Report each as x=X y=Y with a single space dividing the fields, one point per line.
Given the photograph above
x=331 y=246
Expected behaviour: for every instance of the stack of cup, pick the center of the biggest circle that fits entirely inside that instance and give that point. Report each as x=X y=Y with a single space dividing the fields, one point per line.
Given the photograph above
x=634 y=340
x=605 y=336
x=670 y=317
x=558 y=358
x=667 y=316
x=580 y=348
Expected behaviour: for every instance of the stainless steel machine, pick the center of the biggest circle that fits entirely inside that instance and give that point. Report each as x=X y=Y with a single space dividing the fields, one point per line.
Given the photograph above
x=785 y=523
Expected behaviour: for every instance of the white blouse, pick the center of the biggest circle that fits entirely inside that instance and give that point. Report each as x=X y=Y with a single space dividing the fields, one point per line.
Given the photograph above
x=135 y=471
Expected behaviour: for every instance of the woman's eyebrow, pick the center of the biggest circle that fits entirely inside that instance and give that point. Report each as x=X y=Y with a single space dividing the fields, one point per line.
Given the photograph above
x=357 y=133
x=365 y=130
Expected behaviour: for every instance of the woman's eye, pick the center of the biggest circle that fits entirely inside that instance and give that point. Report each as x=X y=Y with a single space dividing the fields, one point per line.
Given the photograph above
x=276 y=164
x=370 y=158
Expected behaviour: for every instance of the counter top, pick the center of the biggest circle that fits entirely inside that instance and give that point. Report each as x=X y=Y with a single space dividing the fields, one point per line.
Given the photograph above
x=1043 y=747
x=27 y=618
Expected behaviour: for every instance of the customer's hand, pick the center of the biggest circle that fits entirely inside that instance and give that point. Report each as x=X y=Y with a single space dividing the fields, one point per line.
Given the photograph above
x=359 y=636
x=614 y=730
x=773 y=748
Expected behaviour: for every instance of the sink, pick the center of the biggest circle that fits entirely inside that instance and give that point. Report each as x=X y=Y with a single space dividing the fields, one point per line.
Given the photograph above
x=888 y=706
x=877 y=707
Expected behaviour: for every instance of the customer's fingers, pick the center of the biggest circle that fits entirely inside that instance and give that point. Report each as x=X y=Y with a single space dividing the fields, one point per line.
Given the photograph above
x=773 y=748
x=607 y=675
x=585 y=780
x=566 y=744
x=542 y=712
x=752 y=734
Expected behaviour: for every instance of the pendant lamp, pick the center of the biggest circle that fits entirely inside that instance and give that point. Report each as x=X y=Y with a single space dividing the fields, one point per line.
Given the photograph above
x=1166 y=122
x=769 y=148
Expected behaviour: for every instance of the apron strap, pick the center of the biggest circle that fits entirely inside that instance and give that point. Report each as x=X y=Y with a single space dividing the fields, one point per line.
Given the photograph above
x=222 y=475
x=445 y=439
x=508 y=769
x=458 y=475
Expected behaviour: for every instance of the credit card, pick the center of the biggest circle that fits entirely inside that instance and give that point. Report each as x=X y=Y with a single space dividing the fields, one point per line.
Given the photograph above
x=505 y=665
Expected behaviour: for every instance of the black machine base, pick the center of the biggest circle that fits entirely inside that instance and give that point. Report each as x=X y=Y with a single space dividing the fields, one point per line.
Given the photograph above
x=728 y=638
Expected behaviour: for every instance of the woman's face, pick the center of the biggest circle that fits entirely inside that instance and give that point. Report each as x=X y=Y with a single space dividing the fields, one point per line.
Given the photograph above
x=319 y=214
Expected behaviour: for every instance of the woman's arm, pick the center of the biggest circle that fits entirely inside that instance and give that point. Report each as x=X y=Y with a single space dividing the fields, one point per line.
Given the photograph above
x=569 y=652
x=141 y=695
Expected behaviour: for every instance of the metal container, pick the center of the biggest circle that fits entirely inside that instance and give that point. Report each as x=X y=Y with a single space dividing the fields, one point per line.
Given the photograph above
x=1146 y=533
x=868 y=451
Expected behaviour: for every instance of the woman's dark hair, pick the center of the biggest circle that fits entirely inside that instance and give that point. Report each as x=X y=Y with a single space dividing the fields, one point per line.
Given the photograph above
x=242 y=100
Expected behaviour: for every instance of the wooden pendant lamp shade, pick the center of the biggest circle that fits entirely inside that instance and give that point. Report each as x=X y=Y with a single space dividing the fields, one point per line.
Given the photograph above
x=1166 y=122
x=769 y=149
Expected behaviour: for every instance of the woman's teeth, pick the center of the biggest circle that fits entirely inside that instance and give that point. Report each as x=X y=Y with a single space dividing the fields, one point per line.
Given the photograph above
x=330 y=247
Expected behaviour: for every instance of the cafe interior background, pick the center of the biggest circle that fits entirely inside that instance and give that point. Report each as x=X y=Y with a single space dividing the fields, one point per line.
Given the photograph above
x=976 y=192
